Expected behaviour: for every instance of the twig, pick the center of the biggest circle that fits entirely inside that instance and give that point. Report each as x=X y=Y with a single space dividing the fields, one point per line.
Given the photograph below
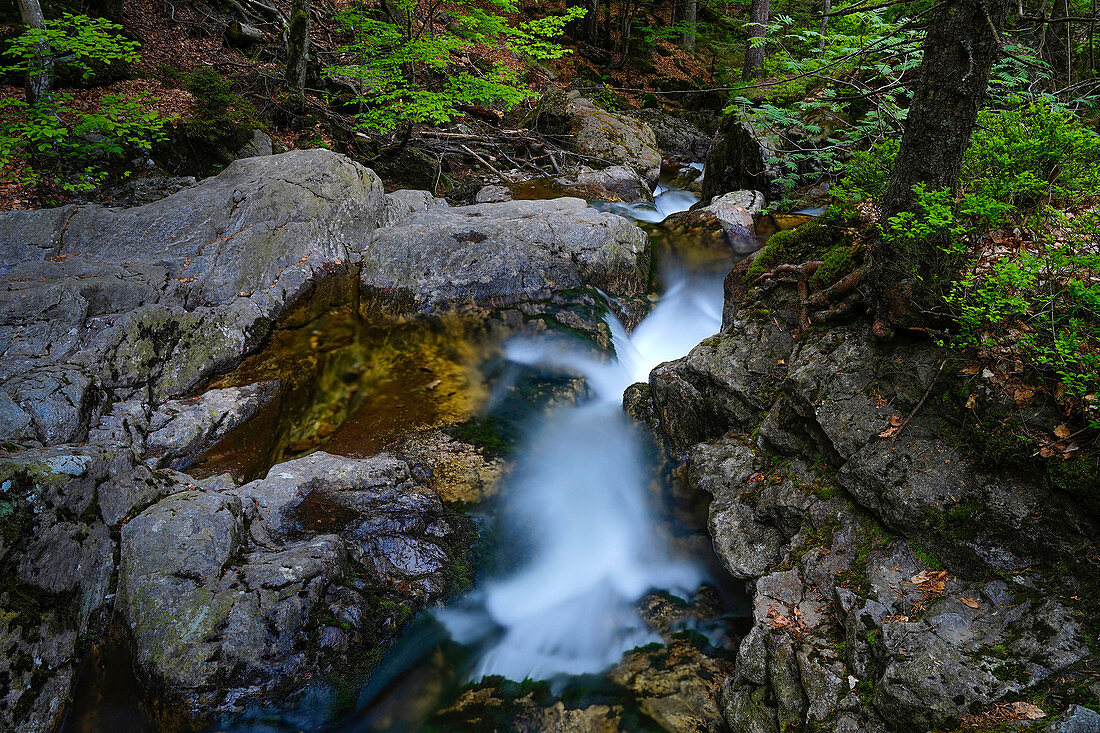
x=922 y=400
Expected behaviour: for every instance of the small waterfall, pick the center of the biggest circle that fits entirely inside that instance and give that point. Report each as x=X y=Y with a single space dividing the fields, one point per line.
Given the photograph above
x=577 y=505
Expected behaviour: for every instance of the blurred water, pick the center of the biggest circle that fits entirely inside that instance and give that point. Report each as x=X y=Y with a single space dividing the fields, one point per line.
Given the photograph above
x=577 y=501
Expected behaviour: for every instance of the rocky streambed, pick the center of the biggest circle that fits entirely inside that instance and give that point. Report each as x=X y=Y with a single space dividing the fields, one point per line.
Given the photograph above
x=169 y=372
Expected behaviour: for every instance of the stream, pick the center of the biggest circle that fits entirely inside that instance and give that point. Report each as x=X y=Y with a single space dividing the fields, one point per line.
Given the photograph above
x=590 y=569
x=581 y=537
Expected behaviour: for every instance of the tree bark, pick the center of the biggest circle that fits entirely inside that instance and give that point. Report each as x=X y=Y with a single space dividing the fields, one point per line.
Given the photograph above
x=754 y=54
x=824 y=28
x=40 y=74
x=297 y=62
x=689 y=14
x=962 y=42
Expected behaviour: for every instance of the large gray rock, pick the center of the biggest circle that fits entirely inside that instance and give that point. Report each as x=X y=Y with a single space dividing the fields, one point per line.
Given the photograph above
x=155 y=298
x=219 y=588
x=614 y=183
x=854 y=627
x=614 y=138
x=506 y=252
x=676 y=137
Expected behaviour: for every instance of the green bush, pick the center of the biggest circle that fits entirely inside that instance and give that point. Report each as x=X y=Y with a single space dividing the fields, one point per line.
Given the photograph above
x=407 y=69
x=65 y=146
x=221 y=123
x=1023 y=160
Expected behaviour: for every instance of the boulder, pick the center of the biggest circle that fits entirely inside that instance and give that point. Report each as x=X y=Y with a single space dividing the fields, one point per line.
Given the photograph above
x=312 y=549
x=879 y=562
x=722 y=228
x=505 y=252
x=157 y=297
x=615 y=183
x=677 y=138
x=740 y=157
x=493 y=195
x=612 y=137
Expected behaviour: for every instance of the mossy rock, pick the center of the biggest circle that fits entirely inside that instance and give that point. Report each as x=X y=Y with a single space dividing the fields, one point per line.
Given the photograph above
x=793 y=246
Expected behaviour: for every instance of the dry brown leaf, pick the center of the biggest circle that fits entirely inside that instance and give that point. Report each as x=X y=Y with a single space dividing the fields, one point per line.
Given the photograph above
x=971 y=367
x=972 y=402
x=973 y=603
x=1026 y=711
x=1062 y=431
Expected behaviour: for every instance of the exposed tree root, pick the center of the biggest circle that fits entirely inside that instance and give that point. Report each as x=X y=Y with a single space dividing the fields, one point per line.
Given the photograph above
x=839 y=300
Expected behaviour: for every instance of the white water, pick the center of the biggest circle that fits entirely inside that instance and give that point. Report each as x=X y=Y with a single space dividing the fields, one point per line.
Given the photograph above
x=577 y=501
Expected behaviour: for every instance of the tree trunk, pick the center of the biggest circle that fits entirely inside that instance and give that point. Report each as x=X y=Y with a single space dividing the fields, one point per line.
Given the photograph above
x=40 y=74
x=689 y=14
x=824 y=28
x=754 y=52
x=962 y=42
x=297 y=61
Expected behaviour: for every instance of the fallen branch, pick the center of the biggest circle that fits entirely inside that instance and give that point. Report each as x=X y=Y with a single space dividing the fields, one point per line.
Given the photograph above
x=487 y=164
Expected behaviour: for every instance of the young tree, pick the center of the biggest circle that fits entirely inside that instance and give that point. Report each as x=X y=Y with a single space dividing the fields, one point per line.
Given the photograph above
x=40 y=71
x=962 y=41
x=754 y=47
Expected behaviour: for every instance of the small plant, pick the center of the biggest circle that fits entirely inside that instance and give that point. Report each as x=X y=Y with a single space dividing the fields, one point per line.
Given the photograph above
x=65 y=146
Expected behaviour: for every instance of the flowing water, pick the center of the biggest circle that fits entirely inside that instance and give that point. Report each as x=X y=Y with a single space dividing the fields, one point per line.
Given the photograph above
x=578 y=532
x=578 y=502
x=580 y=535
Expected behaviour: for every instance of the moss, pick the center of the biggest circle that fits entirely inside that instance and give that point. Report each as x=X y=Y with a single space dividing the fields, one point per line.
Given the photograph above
x=925 y=556
x=794 y=246
x=871 y=538
x=837 y=262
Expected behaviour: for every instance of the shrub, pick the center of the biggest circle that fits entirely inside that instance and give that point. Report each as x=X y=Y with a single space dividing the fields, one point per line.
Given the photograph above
x=410 y=71
x=69 y=147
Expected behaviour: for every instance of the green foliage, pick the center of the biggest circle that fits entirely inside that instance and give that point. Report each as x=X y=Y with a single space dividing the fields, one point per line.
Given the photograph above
x=409 y=68
x=66 y=146
x=80 y=43
x=1023 y=163
x=1025 y=159
x=826 y=107
x=792 y=246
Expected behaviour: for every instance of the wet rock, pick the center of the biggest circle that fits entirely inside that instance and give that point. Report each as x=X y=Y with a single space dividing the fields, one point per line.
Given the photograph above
x=454 y=470
x=677 y=686
x=56 y=562
x=161 y=295
x=506 y=252
x=180 y=430
x=740 y=157
x=717 y=230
